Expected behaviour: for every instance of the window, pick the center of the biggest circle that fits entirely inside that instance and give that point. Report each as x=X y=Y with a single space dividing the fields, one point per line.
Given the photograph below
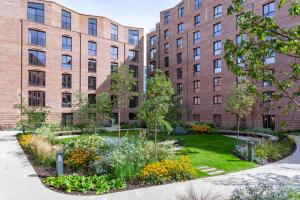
x=167 y=74
x=217 y=66
x=66 y=119
x=267 y=96
x=166 y=34
x=197 y=53
x=114 y=32
x=153 y=40
x=217 y=48
x=179 y=88
x=197 y=20
x=66 y=81
x=197 y=68
x=197 y=37
x=133 y=56
x=167 y=61
x=197 y=4
x=267 y=83
x=92 y=27
x=132 y=116
x=181 y=10
x=37 y=58
x=217 y=11
x=92 y=83
x=217 y=29
x=66 y=62
x=217 y=99
x=153 y=54
x=92 y=65
x=35 y=12
x=36 y=78
x=167 y=47
x=114 y=53
x=269 y=9
x=113 y=67
x=167 y=17
x=270 y=58
x=92 y=98
x=152 y=66
x=238 y=39
x=217 y=119
x=92 y=48
x=240 y=62
x=196 y=100
x=179 y=58
x=66 y=100
x=179 y=43
x=36 y=37
x=196 y=86
x=196 y=117
x=180 y=28
x=134 y=102
x=135 y=87
x=269 y=121
x=66 y=43
x=36 y=98
x=65 y=20
x=133 y=37
x=179 y=73
x=238 y=18
x=217 y=83
x=134 y=70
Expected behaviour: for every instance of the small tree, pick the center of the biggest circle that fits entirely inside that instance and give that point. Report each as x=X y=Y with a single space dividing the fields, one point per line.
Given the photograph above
x=157 y=103
x=92 y=112
x=31 y=117
x=123 y=88
x=240 y=103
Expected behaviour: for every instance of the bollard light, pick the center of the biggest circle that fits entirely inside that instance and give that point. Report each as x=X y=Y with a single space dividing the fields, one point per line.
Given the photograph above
x=251 y=151
x=59 y=162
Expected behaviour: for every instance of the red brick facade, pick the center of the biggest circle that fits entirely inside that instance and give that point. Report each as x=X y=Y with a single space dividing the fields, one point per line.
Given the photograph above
x=205 y=93
x=15 y=24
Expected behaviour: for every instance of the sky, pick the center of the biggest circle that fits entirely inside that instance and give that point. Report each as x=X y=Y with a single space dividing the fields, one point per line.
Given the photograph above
x=138 y=13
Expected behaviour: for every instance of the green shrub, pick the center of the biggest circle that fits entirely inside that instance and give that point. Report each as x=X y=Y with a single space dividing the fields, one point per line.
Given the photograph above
x=260 y=130
x=99 y=184
x=274 y=150
x=263 y=191
x=126 y=125
x=47 y=130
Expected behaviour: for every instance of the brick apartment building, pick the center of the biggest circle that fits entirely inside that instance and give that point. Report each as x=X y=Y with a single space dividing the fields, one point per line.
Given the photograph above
x=49 y=52
x=188 y=45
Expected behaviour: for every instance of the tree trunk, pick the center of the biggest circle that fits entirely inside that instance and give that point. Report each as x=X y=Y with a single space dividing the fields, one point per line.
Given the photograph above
x=119 y=123
x=238 y=128
x=155 y=140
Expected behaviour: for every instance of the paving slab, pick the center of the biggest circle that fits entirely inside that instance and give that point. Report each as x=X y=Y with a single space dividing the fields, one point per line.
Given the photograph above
x=18 y=180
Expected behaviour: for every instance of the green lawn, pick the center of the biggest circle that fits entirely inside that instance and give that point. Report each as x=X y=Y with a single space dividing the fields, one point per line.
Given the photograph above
x=213 y=151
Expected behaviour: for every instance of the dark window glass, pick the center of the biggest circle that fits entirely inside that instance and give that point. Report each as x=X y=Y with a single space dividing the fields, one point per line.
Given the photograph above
x=179 y=73
x=180 y=28
x=114 y=53
x=132 y=116
x=179 y=88
x=197 y=68
x=217 y=48
x=153 y=54
x=134 y=102
x=179 y=58
x=269 y=9
x=167 y=17
x=36 y=78
x=196 y=86
x=65 y=20
x=133 y=56
x=66 y=100
x=114 y=32
x=134 y=70
x=197 y=20
x=197 y=4
x=153 y=40
x=66 y=43
x=167 y=62
x=179 y=43
x=67 y=119
x=217 y=29
x=92 y=81
x=92 y=48
x=92 y=98
x=36 y=37
x=37 y=58
x=133 y=37
x=181 y=10
x=92 y=65
x=35 y=12
x=197 y=37
x=167 y=47
x=152 y=66
x=92 y=26
x=197 y=53
x=166 y=34
x=113 y=67
x=36 y=98
x=217 y=66
x=66 y=62
x=66 y=81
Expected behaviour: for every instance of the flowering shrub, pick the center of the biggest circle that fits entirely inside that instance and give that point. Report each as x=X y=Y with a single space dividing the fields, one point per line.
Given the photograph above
x=90 y=143
x=25 y=140
x=201 y=129
x=167 y=171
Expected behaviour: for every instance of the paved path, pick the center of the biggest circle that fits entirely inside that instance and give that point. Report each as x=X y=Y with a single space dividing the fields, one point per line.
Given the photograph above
x=18 y=180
